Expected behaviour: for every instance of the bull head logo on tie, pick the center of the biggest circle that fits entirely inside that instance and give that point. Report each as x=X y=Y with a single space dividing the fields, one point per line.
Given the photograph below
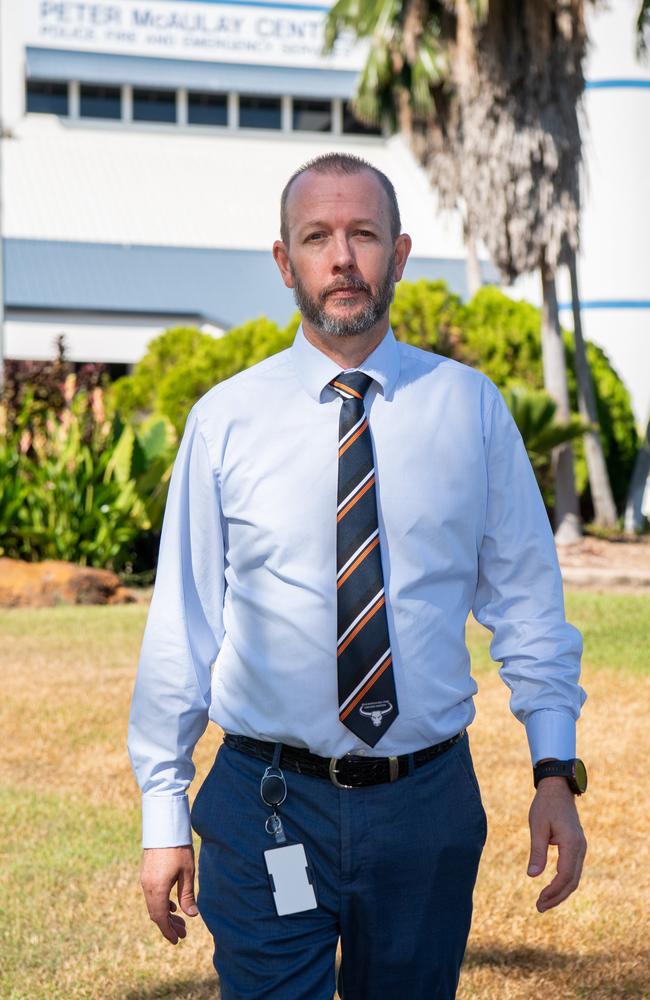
x=375 y=710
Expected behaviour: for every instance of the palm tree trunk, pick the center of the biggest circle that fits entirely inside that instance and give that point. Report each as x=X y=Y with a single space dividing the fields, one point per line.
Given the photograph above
x=473 y=267
x=601 y=491
x=568 y=527
x=633 y=521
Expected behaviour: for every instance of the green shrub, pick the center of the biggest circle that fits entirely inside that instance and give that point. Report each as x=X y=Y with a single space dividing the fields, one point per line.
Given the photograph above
x=427 y=315
x=502 y=337
x=182 y=364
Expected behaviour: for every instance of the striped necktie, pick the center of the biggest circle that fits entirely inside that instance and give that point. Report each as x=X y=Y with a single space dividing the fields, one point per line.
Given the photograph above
x=367 y=699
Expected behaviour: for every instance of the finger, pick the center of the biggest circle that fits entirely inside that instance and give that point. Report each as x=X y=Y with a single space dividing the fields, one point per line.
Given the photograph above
x=174 y=929
x=169 y=931
x=539 y=840
x=569 y=869
x=186 y=891
x=158 y=905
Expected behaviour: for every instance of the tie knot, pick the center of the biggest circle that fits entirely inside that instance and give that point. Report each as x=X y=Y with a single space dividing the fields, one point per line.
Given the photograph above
x=351 y=384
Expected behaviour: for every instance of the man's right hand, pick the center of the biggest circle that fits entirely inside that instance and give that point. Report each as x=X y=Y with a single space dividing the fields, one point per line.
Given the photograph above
x=162 y=868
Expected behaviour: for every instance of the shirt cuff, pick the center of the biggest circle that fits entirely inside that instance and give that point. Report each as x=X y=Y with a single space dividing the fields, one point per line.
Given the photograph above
x=551 y=734
x=166 y=821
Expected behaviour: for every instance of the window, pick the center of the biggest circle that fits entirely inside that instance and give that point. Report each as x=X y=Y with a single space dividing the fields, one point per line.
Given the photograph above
x=312 y=116
x=260 y=112
x=154 y=105
x=207 y=109
x=352 y=125
x=100 y=102
x=47 y=98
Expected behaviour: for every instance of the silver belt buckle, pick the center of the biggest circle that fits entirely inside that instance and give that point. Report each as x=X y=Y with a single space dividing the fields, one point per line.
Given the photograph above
x=333 y=770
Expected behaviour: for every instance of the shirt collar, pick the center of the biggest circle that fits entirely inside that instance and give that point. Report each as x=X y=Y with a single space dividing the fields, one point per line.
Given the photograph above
x=315 y=369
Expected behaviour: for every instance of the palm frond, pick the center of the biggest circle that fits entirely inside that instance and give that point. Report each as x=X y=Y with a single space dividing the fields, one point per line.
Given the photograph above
x=365 y=18
x=534 y=414
x=375 y=86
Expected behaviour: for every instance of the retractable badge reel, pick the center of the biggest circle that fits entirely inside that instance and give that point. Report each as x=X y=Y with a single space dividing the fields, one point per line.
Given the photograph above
x=273 y=789
x=290 y=876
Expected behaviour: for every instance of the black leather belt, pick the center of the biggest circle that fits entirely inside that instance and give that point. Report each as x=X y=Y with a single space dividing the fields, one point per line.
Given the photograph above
x=345 y=772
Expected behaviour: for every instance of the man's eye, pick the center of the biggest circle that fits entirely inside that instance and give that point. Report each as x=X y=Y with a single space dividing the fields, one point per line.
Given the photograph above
x=315 y=236
x=364 y=232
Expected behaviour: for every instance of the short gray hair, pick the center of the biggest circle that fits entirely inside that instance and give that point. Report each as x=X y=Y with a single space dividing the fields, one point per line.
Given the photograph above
x=341 y=163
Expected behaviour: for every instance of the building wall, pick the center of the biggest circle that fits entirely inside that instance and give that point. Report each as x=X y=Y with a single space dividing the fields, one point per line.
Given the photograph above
x=197 y=209
x=614 y=263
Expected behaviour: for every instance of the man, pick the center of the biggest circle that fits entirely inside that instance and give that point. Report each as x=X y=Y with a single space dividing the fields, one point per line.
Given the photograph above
x=334 y=514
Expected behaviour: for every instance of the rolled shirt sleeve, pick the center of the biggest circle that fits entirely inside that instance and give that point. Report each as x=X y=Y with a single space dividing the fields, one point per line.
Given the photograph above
x=183 y=634
x=519 y=596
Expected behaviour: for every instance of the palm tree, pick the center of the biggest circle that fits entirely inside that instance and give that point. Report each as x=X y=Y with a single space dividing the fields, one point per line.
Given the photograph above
x=487 y=92
x=643 y=27
x=634 y=517
x=605 y=515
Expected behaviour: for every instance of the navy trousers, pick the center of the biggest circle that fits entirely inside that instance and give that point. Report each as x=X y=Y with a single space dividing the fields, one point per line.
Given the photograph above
x=394 y=864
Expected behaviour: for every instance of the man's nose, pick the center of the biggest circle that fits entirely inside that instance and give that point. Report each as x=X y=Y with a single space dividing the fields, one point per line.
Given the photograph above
x=343 y=259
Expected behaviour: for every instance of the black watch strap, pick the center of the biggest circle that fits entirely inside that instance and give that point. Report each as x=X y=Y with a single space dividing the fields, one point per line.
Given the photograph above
x=573 y=770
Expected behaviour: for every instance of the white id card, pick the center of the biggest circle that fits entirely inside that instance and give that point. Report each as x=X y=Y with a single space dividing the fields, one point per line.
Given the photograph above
x=290 y=879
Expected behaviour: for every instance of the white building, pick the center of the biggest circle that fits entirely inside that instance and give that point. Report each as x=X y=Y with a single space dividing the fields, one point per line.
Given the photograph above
x=146 y=143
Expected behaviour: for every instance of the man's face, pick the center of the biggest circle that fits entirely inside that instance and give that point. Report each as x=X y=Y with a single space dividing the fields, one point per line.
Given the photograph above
x=341 y=261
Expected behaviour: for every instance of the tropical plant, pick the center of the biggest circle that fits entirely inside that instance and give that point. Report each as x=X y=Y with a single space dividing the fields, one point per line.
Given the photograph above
x=75 y=485
x=534 y=413
x=43 y=382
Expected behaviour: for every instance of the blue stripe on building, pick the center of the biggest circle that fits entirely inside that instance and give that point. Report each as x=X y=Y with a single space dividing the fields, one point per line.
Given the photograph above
x=617 y=84
x=609 y=304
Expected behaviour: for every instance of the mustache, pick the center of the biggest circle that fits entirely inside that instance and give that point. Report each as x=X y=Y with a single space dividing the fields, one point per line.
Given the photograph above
x=345 y=284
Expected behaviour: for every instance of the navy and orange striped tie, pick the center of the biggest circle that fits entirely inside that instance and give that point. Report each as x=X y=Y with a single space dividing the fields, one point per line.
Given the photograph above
x=367 y=698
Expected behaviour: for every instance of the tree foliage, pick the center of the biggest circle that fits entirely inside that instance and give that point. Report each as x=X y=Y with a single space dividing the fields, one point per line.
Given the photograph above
x=182 y=364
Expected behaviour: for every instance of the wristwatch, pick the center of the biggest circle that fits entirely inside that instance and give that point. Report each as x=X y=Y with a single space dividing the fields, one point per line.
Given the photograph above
x=573 y=770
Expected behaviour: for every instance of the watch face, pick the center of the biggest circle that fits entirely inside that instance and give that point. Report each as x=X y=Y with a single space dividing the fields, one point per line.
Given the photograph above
x=580 y=775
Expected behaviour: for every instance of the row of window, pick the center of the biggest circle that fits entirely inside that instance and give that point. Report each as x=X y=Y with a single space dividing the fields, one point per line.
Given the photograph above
x=149 y=105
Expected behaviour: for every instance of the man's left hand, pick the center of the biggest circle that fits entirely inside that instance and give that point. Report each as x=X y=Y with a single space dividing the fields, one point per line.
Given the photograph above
x=553 y=819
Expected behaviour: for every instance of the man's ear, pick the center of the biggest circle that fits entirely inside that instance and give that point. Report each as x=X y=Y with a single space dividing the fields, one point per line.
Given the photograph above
x=403 y=246
x=281 y=258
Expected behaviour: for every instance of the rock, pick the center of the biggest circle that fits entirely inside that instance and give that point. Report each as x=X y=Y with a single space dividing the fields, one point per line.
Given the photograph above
x=48 y=583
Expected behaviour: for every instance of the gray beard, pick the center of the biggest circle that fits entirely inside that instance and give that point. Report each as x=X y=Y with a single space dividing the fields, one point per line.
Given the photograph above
x=313 y=310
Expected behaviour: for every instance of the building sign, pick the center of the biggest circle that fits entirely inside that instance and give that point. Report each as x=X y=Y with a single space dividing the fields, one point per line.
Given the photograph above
x=289 y=34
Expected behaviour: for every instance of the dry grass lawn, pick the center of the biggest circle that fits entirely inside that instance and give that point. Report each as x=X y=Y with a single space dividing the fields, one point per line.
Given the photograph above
x=74 y=923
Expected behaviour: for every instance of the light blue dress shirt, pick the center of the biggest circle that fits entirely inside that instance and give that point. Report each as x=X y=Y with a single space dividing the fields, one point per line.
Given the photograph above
x=242 y=623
